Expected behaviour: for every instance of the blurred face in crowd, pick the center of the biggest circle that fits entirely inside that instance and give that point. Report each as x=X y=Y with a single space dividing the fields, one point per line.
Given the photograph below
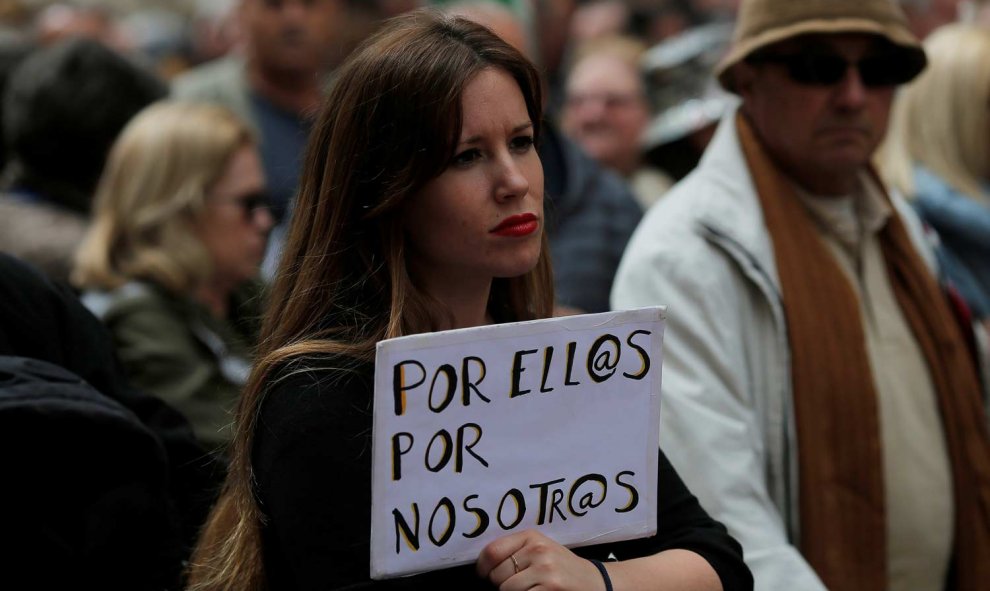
x=482 y=218
x=606 y=111
x=822 y=134
x=235 y=222
x=293 y=35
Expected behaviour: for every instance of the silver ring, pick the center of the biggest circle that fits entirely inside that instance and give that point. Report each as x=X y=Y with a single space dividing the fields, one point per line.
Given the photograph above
x=515 y=565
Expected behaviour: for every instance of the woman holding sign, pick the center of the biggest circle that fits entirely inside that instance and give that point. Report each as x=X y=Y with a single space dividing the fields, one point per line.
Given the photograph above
x=421 y=209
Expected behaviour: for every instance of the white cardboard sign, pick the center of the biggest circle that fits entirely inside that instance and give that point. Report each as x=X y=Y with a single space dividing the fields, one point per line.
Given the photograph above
x=478 y=433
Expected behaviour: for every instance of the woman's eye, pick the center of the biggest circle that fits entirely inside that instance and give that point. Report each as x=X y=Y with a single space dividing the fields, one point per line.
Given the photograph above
x=466 y=157
x=521 y=143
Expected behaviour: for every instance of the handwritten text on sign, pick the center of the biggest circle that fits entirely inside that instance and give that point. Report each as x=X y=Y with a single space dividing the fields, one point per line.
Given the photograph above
x=551 y=424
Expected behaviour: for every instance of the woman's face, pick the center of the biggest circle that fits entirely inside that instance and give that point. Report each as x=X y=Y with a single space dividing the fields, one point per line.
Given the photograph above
x=235 y=223
x=482 y=218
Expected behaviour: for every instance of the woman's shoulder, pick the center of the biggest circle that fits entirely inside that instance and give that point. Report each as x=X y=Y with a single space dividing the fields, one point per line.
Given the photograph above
x=133 y=295
x=300 y=390
x=141 y=308
x=318 y=373
x=934 y=194
x=311 y=408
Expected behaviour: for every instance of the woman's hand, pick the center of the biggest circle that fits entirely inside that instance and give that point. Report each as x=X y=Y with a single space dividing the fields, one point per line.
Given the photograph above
x=530 y=560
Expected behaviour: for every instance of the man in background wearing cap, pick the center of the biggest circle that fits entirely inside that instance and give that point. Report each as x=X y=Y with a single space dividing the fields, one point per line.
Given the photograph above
x=818 y=394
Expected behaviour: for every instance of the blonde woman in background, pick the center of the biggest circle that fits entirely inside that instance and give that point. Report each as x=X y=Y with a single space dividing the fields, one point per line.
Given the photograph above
x=938 y=154
x=180 y=225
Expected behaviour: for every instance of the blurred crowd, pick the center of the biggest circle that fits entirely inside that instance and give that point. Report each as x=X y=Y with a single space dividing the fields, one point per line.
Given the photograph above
x=151 y=155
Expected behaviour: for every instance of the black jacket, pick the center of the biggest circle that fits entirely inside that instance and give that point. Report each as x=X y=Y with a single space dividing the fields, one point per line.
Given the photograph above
x=88 y=462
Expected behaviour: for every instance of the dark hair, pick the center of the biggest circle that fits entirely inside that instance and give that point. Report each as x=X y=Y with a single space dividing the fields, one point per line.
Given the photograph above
x=13 y=51
x=390 y=125
x=62 y=109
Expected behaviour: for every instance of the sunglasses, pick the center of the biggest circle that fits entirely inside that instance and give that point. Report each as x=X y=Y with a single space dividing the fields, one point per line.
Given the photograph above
x=251 y=203
x=827 y=69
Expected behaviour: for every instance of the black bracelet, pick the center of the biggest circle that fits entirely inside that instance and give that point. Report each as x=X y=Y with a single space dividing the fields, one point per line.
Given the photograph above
x=601 y=568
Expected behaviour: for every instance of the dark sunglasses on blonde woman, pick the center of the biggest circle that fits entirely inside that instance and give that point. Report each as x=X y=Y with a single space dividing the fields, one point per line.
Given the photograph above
x=251 y=203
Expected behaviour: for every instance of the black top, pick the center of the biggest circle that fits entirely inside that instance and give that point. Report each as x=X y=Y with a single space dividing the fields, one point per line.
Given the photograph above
x=312 y=461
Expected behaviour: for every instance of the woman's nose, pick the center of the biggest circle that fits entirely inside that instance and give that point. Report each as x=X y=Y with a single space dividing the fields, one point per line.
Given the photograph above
x=512 y=182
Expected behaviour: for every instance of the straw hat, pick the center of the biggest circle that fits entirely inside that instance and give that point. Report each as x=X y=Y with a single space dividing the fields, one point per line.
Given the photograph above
x=765 y=22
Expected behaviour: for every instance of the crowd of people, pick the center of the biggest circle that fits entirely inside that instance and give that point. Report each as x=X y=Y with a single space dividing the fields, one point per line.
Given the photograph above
x=212 y=212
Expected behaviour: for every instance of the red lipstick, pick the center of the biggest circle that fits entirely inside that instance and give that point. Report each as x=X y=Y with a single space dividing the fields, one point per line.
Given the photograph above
x=517 y=225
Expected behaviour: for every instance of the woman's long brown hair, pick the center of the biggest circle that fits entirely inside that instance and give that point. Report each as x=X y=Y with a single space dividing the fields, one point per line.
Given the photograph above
x=390 y=124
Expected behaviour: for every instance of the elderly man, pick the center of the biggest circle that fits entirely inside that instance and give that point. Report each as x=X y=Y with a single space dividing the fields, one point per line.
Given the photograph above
x=818 y=394
x=276 y=82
